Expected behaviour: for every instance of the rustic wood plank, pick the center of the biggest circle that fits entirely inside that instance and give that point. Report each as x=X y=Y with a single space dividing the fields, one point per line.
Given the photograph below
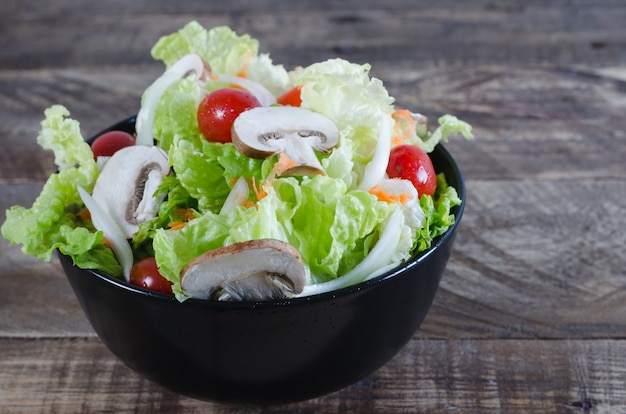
x=529 y=122
x=533 y=259
x=80 y=375
x=530 y=313
x=545 y=255
x=423 y=33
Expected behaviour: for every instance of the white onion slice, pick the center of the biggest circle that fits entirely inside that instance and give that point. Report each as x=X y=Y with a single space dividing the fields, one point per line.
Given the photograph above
x=377 y=260
x=145 y=117
x=259 y=91
x=377 y=167
x=103 y=221
x=237 y=196
x=188 y=64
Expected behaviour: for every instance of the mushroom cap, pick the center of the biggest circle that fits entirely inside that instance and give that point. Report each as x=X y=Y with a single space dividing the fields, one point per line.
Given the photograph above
x=263 y=131
x=260 y=269
x=124 y=179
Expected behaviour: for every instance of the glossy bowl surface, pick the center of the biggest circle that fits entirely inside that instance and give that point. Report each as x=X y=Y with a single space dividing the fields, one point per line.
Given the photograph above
x=266 y=352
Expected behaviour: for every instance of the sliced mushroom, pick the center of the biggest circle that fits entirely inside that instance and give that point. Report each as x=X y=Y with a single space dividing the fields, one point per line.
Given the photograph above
x=126 y=185
x=252 y=270
x=294 y=131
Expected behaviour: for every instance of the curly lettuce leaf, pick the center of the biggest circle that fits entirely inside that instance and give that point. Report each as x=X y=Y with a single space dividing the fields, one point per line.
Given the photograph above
x=438 y=215
x=354 y=101
x=226 y=53
x=52 y=221
x=209 y=173
x=449 y=125
x=175 y=248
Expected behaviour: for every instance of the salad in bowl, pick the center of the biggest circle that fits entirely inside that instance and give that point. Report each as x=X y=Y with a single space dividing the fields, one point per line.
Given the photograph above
x=243 y=180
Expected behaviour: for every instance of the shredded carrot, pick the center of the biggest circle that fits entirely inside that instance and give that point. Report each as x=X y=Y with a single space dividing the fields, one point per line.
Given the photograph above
x=258 y=190
x=177 y=225
x=243 y=72
x=389 y=198
x=283 y=164
x=185 y=215
x=403 y=128
x=107 y=243
x=249 y=203
x=84 y=214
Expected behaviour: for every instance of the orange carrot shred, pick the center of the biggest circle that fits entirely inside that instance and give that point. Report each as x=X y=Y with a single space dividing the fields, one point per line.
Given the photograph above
x=107 y=243
x=389 y=198
x=258 y=190
x=84 y=214
x=403 y=127
x=177 y=225
x=243 y=72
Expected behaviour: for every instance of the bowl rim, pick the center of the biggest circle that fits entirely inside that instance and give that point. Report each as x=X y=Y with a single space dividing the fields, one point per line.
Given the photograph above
x=298 y=300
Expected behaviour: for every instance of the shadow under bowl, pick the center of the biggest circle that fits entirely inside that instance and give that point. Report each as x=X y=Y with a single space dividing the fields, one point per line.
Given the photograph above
x=267 y=352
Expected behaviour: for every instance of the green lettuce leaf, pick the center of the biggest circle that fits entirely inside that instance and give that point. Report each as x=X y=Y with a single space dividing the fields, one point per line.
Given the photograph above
x=220 y=47
x=437 y=212
x=226 y=53
x=449 y=125
x=52 y=222
x=353 y=100
x=208 y=175
x=175 y=248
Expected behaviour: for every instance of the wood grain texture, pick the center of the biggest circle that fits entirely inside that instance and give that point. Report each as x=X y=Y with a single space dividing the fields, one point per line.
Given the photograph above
x=298 y=33
x=531 y=312
x=430 y=376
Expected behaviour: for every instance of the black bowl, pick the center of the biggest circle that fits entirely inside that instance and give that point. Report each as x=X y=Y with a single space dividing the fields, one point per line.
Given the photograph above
x=266 y=352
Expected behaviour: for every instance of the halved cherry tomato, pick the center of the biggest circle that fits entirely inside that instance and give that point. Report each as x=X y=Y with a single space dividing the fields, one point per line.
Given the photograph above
x=292 y=97
x=145 y=274
x=110 y=142
x=218 y=110
x=412 y=163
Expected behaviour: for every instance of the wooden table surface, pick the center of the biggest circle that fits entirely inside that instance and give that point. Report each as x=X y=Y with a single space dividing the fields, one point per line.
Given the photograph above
x=531 y=312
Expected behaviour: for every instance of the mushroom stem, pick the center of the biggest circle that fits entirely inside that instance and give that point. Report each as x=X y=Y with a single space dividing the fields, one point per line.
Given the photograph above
x=306 y=162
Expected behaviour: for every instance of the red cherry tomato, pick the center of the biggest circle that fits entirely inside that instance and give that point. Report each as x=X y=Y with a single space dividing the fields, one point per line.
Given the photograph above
x=292 y=97
x=412 y=163
x=110 y=142
x=145 y=274
x=218 y=110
